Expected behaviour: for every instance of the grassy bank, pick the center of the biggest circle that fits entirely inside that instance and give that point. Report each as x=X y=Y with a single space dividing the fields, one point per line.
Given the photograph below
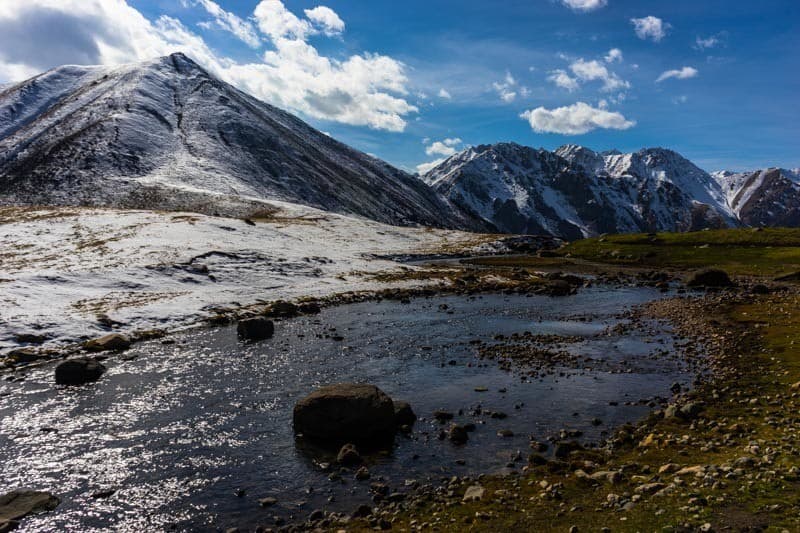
x=763 y=252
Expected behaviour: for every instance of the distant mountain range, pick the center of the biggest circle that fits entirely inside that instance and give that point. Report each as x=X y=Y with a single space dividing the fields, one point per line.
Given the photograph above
x=166 y=134
x=575 y=192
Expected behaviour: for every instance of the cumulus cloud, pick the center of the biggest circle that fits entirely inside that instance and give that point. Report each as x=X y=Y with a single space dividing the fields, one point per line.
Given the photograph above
x=594 y=70
x=563 y=80
x=227 y=21
x=650 y=27
x=680 y=74
x=509 y=89
x=362 y=90
x=326 y=19
x=575 y=119
x=614 y=55
x=447 y=147
x=444 y=93
x=424 y=168
x=585 y=5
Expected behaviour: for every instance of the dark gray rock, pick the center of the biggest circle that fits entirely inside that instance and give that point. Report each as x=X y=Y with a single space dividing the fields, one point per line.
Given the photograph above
x=346 y=412
x=709 y=278
x=403 y=414
x=78 y=371
x=255 y=329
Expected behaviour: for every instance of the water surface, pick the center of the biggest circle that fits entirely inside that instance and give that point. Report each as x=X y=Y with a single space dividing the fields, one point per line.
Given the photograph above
x=191 y=435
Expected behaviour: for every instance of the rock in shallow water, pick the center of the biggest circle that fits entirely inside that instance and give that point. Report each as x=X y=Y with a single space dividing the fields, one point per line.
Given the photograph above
x=112 y=341
x=255 y=329
x=20 y=503
x=78 y=371
x=346 y=412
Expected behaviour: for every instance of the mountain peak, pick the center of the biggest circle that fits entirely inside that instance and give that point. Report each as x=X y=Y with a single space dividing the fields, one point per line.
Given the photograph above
x=166 y=134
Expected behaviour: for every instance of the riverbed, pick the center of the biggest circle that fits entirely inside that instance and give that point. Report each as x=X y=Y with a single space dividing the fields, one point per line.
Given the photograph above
x=190 y=434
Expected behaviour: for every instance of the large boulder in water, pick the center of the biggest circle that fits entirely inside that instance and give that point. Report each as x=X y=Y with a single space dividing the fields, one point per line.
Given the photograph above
x=346 y=412
x=20 y=503
x=709 y=278
x=78 y=371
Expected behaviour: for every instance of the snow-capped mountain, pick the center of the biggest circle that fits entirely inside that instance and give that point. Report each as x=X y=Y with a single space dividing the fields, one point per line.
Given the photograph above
x=575 y=192
x=166 y=134
x=769 y=197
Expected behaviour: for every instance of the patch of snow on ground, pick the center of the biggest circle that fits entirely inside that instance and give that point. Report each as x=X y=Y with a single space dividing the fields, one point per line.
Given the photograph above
x=63 y=269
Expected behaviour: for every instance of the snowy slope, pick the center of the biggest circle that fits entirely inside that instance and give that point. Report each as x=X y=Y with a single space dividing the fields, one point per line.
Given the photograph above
x=166 y=134
x=66 y=270
x=769 y=197
x=576 y=192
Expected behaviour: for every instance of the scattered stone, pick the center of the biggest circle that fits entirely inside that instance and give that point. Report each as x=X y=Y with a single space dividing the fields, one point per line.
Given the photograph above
x=474 y=493
x=112 y=341
x=709 y=278
x=269 y=501
x=348 y=455
x=362 y=474
x=283 y=309
x=403 y=414
x=78 y=371
x=506 y=433
x=255 y=329
x=346 y=412
x=458 y=434
x=649 y=488
x=310 y=308
x=442 y=416
x=24 y=355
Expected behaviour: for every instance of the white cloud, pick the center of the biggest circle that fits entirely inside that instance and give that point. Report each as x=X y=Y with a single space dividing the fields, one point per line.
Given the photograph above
x=563 y=80
x=682 y=99
x=327 y=19
x=585 y=5
x=594 y=70
x=424 y=168
x=506 y=89
x=576 y=119
x=680 y=74
x=242 y=29
x=362 y=90
x=615 y=54
x=712 y=41
x=650 y=27
x=277 y=22
x=447 y=147
x=444 y=93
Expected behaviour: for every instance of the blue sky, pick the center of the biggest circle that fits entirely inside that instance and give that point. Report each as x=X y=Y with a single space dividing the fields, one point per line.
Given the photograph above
x=413 y=81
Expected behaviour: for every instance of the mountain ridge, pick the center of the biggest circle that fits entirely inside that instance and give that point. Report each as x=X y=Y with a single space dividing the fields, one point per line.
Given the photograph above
x=575 y=192
x=167 y=134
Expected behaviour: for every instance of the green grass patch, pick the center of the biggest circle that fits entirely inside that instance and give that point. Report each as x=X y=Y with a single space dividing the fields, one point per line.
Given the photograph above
x=767 y=252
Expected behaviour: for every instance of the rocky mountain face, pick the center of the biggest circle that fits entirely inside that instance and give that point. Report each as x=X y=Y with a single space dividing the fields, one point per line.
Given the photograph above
x=768 y=197
x=165 y=134
x=575 y=192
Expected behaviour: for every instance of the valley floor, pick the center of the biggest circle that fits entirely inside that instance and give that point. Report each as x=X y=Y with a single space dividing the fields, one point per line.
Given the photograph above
x=69 y=274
